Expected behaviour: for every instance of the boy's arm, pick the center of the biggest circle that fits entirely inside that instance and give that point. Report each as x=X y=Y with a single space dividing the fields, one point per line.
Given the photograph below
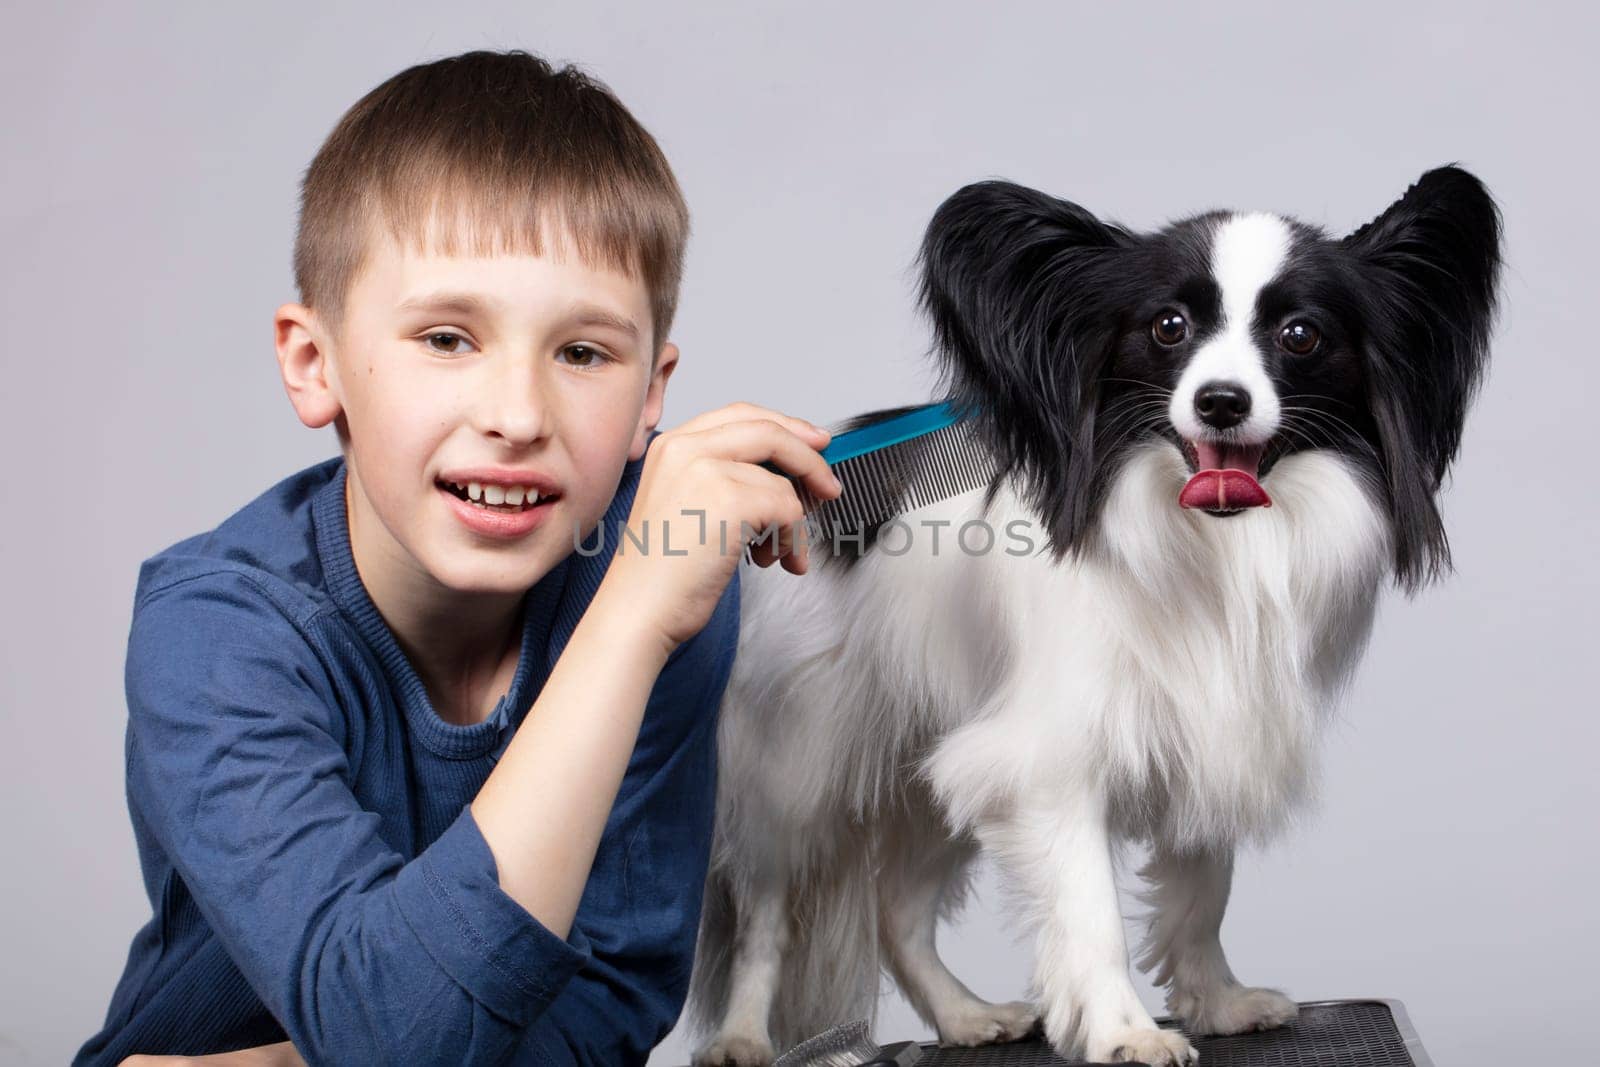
x=568 y=756
x=282 y=1054
x=641 y=907
x=236 y=762
x=641 y=902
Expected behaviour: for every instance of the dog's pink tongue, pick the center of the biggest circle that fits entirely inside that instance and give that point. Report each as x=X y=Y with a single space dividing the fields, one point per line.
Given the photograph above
x=1225 y=490
x=1226 y=480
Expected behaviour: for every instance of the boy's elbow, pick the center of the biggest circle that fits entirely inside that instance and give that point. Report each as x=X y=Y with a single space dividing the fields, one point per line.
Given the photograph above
x=363 y=1002
x=450 y=1028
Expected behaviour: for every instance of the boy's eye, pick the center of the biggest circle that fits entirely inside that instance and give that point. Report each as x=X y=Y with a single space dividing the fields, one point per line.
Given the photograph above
x=446 y=338
x=584 y=356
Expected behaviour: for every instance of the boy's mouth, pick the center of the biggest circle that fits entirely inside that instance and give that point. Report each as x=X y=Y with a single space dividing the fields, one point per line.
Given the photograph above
x=498 y=497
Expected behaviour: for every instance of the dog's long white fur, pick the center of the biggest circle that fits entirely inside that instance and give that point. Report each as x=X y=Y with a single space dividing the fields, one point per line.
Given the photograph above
x=882 y=722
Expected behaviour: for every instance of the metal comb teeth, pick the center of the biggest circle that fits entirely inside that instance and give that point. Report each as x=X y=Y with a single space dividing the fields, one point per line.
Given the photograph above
x=849 y=1045
x=900 y=477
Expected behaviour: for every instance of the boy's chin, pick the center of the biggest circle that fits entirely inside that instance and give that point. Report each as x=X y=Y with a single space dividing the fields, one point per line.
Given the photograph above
x=501 y=578
x=501 y=573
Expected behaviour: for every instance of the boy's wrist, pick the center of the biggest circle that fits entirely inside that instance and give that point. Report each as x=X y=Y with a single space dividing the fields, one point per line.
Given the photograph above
x=614 y=614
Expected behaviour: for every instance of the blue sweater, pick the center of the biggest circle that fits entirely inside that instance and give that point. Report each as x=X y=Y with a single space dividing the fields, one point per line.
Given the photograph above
x=313 y=869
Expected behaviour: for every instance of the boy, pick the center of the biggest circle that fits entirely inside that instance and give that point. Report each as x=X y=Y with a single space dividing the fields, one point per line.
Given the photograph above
x=355 y=832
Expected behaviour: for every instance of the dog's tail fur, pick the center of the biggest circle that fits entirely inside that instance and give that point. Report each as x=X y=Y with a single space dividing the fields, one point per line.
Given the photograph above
x=830 y=971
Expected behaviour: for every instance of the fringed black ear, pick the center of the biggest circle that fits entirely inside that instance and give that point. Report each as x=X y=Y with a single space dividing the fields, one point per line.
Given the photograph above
x=1018 y=289
x=1431 y=263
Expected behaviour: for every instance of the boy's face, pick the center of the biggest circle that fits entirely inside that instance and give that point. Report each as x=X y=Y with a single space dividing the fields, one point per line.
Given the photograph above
x=514 y=370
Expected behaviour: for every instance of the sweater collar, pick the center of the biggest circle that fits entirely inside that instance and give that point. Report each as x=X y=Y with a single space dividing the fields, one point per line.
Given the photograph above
x=446 y=739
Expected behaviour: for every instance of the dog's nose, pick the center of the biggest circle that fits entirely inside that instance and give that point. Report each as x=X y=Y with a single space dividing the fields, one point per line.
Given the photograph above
x=1222 y=404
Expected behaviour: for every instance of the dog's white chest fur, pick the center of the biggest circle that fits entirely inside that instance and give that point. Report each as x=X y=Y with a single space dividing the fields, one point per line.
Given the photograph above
x=1179 y=667
x=1182 y=664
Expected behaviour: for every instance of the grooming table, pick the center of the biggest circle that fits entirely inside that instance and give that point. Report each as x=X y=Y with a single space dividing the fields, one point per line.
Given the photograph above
x=1328 y=1033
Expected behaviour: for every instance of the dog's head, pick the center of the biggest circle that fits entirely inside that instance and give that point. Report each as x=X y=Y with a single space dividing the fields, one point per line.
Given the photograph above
x=1240 y=338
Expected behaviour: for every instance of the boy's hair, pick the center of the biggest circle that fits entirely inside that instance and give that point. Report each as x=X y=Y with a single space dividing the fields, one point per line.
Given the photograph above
x=503 y=147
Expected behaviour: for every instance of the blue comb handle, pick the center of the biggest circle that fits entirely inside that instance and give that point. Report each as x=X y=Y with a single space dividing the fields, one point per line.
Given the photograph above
x=859 y=442
x=925 y=419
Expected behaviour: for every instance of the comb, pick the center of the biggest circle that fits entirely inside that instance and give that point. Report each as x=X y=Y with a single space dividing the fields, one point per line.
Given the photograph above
x=889 y=463
x=849 y=1045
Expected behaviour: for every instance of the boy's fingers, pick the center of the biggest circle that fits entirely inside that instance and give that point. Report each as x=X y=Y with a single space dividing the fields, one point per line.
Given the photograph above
x=746 y=412
x=759 y=441
x=791 y=550
x=796 y=558
x=778 y=538
x=760 y=477
x=763 y=548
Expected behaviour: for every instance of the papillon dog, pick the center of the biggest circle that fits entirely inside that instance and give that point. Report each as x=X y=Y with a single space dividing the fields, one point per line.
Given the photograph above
x=1212 y=445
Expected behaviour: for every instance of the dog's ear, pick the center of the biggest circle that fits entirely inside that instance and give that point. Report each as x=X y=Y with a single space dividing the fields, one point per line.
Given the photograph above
x=1018 y=287
x=1431 y=266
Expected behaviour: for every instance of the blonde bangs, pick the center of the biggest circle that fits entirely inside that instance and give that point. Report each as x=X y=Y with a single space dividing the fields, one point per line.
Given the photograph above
x=492 y=154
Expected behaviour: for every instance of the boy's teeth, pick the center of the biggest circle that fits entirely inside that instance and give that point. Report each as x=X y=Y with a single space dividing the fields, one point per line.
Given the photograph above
x=495 y=495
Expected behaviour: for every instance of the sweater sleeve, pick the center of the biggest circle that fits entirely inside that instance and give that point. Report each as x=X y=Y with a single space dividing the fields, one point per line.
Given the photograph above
x=641 y=907
x=235 y=756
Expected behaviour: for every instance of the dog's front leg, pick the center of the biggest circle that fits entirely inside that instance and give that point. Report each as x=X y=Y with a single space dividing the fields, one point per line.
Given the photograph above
x=742 y=1038
x=1059 y=849
x=1189 y=890
x=917 y=865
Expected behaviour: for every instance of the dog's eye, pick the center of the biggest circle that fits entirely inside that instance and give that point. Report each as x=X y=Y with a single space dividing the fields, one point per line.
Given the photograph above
x=1300 y=338
x=1170 y=328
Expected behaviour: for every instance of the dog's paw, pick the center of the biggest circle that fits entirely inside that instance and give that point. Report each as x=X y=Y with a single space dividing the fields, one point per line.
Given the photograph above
x=1234 y=1009
x=735 y=1050
x=981 y=1023
x=1158 y=1048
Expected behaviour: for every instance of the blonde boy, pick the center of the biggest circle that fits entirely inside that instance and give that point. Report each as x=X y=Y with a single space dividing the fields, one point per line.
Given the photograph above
x=412 y=780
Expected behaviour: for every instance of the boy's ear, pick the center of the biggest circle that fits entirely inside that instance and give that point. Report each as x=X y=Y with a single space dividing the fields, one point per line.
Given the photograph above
x=303 y=362
x=666 y=362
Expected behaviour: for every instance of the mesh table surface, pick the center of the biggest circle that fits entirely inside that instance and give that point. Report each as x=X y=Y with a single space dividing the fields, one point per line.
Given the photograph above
x=1335 y=1033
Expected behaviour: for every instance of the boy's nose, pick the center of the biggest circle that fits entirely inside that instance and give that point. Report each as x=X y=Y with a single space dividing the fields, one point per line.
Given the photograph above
x=511 y=403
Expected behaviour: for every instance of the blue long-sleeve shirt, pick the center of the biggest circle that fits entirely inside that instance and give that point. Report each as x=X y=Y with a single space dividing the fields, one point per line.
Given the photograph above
x=300 y=811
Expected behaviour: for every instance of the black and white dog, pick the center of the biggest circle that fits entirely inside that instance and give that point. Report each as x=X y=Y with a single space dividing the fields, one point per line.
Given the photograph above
x=1214 y=443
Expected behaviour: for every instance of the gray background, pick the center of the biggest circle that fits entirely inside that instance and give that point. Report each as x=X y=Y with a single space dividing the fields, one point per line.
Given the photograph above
x=152 y=155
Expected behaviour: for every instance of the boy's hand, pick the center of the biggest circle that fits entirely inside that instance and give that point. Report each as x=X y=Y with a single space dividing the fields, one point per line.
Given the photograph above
x=710 y=465
x=282 y=1054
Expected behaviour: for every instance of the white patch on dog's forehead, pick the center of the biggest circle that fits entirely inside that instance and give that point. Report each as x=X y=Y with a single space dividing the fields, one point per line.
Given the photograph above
x=1247 y=253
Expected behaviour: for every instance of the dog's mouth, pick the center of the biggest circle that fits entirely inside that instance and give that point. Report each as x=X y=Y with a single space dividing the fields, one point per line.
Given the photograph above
x=1225 y=476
